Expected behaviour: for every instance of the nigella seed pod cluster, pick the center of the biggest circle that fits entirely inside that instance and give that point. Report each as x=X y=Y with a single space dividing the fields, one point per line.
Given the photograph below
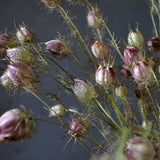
x=141 y=71
x=139 y=148
x=78 y=127
x=15 y=124
x=24 y=35
x=105 y=75
x=57 y=110
x=132 y=55
x=135 y=38
x=94 y=19
x=6 y=41
x=99 y=50
x=84 y=91
x=154 y=44
x=57 y=47
x=17 y=74
x=19 y=54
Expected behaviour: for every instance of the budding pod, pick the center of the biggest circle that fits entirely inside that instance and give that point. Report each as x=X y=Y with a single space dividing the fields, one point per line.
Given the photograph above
x=154 y=44
x=83 y=90
x=139 y=148
x=125 y=71
x=15 y=124
x=57 y=110
x=19 y=54
x=94 y=19
x=6 y=81
x=121 y=91
x=132 y=55
x=17 y=74
x=57 y=47
x=99 y=50
x=6 y=41
x=141 y=71
x=135 y=38
x=50 y=3
x=24 y=35
x=105 y=75
x=78 y=127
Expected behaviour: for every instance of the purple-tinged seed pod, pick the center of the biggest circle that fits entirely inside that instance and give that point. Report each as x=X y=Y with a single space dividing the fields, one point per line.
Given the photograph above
x=99 y=50
x=57 y=47
x=15 y=124
x=141 y=71
x=154 y=44
x=6 y=41
x=132 y=55
x=20 y=54
x=139 y=148
x=105 y=75
x=83 y=90
x=78 y=127
x=24 y=35
x=20 y=74
x=94 y=19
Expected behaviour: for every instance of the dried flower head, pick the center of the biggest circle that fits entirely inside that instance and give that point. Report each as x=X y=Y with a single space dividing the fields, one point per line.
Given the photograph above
x=83 y=90
x=132 y=55
x=57 y=47
x=20 y=54
x=121 y=91
x=154 y=44
x=141 y=71
x=105 y=75
x=135 y=38
x=24 y=35
x=17 y=73
x=6 y=41
x=99 y=50
x=50 y=3
x=57 y=110
x=78 y=127
x=94 y=18
x=125 y=71
x=15 y=124
x=139 y=148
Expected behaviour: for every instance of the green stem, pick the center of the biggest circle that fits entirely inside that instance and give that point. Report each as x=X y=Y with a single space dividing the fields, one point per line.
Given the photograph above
x=131 y=110
x=47 y=121
x=110 y=34
x=78 y=59
x=154 y=105
x=99 y=35
x=71 y=77
x=52 y=76
x=41 y=100
x=116 y=108
x=75 y=30
x=108 y=115
x=154 y=25
x=70 y=113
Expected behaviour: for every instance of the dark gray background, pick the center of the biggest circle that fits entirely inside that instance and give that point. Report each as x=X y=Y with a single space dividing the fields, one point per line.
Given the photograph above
x=45 y=143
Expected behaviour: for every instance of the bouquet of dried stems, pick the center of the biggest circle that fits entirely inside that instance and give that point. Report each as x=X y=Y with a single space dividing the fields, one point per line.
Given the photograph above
x=126 y=131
